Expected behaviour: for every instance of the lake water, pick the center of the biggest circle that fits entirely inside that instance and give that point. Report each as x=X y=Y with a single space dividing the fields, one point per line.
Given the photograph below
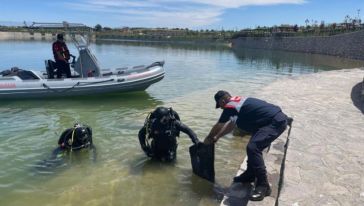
x=122 y=174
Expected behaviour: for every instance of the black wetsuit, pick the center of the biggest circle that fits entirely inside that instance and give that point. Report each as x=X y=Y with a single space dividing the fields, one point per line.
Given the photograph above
x=82 y=138
x=61 y=156
x=164 y=143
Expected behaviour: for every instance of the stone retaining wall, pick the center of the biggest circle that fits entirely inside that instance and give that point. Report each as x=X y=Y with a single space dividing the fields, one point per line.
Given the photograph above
x=349 y=45
x=26 y=36
x=31 y=36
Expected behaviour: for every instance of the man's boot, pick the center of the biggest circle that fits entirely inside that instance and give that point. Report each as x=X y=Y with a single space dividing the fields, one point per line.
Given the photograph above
x=261 y=190
x=245 y=177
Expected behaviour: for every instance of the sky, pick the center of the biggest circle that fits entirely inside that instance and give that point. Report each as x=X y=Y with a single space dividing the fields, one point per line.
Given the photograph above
x=192 y=14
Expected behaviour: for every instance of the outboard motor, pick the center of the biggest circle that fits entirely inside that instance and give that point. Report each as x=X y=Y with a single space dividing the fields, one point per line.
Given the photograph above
x=50 y=68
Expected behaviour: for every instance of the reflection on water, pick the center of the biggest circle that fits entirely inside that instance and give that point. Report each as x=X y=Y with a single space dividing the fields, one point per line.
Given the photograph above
x=166 y=45
x=139 y=100
x=306 y=62
x=122 y=175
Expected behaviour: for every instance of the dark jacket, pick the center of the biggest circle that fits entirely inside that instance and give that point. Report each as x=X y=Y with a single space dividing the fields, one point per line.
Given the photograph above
x=253 y=114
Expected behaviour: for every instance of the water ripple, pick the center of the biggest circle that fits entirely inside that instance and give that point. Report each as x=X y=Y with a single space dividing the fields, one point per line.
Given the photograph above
x=122 y=173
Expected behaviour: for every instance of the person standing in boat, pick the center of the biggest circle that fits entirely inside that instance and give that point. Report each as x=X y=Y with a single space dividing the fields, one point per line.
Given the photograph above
x=265 y=121
x=162 y=127
x=61 y=56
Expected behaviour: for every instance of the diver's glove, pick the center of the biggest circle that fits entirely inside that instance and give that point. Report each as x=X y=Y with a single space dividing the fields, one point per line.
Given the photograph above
x=148 y=151
x=200 y=144
x=196 y=141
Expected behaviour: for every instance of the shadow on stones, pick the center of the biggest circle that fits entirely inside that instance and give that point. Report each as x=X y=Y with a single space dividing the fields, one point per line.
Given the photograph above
x=357 y=97
x=206 y=189
x=238 y=194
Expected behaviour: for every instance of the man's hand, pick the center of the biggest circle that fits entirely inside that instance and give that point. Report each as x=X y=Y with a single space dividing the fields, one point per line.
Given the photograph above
x=215 y=139
x=208 y=140
x=211 y=140
x=149 y=152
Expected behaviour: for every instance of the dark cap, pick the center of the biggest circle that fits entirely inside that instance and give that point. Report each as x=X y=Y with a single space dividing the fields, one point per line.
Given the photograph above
x=218 y=96
x=60 y=36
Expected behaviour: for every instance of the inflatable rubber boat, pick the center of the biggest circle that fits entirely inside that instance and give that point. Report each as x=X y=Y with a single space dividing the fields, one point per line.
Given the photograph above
x=87 y=78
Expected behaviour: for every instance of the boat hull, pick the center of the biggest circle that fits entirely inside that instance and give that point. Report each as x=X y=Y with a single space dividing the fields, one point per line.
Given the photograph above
x=46 y=88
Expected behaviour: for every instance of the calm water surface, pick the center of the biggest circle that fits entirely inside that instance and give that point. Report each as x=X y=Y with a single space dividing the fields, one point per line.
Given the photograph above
x=122 y=175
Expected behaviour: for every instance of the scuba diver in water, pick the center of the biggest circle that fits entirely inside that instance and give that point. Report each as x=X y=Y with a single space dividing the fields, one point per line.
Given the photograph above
x=162 y=126
x=76 y=138
x=71 y=141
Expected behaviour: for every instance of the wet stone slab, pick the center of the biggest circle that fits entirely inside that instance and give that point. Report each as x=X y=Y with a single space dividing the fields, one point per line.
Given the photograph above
x=324 y=161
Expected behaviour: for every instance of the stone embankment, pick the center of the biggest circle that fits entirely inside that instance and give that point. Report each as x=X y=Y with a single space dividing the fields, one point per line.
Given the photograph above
x=323 y=163
x=26 y=36
x=348 y=45
x=31 y=36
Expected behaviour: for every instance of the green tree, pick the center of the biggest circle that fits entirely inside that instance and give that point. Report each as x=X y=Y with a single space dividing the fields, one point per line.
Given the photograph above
x=322 y=25
x=98 y=27
x=295 y=28
x=307 y=22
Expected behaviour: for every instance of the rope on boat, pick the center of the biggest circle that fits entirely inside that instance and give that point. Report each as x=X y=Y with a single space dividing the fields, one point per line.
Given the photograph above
x=58 y=90
x=77 y=84
x=90 y=83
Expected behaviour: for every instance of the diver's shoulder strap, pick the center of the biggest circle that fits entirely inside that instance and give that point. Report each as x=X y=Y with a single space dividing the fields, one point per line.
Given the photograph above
x=65 y=136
